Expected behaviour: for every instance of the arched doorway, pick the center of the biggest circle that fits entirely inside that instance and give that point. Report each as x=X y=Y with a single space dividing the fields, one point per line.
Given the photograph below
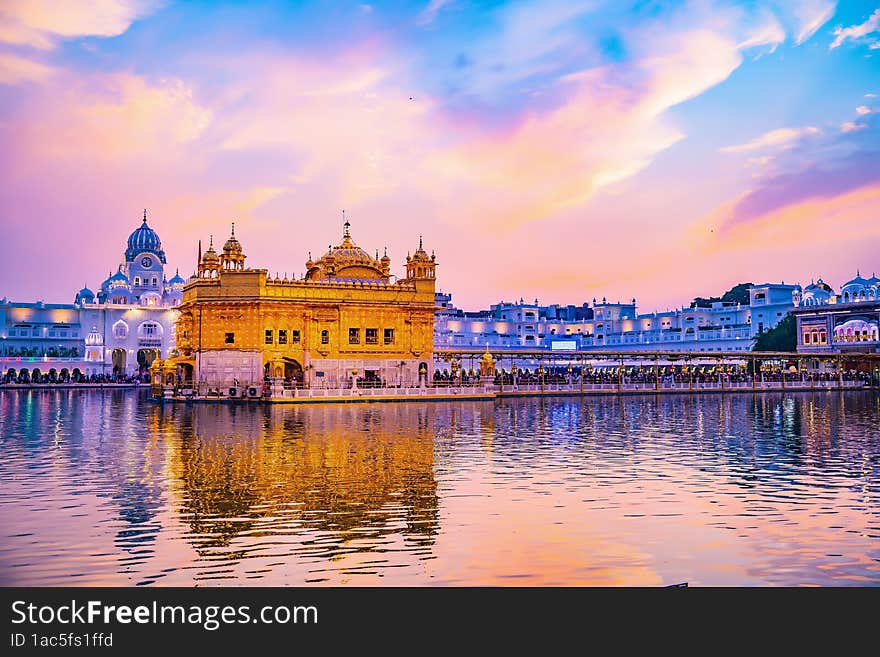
x=293 y=371
x=268 y=372
x=35 y=375
x=77 y=375
x=145 y=358
x=186 y=371
x=119 y=358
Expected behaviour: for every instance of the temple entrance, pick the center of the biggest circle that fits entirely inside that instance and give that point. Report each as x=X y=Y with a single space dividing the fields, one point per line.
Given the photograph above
x=119 y=358
x=186 y=371
x=293 y=371
x=145 y=358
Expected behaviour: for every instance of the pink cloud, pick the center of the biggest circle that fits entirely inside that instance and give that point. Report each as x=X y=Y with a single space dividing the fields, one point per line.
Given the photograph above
x=15 y=69
x=781 y=138
x=40 y=23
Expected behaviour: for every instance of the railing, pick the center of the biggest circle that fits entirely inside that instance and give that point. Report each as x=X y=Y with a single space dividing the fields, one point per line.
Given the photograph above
x=366 y=393
x=649 y=386
x=492 y=389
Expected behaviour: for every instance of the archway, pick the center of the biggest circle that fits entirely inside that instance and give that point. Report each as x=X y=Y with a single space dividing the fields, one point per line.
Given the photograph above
x=186 y=371
x=11 y=375
x=119 y=359
x=35 y=375
x=145 y=358
x=293 y=371
x=77 y=375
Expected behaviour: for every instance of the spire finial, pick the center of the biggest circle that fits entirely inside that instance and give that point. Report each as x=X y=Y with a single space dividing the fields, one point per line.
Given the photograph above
x=345 y=226
x=233 y=229
x=211 y=243
x=420 y=241
x=386 y=250
x=145 y=215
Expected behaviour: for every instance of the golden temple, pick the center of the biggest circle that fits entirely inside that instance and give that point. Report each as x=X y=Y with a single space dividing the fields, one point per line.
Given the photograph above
x=345 y=320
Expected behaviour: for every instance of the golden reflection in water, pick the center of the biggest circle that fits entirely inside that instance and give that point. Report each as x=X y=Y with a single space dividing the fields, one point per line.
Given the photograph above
x=347 y=471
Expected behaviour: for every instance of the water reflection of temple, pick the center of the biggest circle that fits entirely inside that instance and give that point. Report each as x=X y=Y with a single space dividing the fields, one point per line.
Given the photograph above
x=330 y=476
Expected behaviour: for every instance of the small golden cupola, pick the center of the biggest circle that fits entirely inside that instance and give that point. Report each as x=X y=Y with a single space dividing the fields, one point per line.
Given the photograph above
x=420 y=264
x=233 y=254
x=346 y=261
x=385 y=263
x=209 y=267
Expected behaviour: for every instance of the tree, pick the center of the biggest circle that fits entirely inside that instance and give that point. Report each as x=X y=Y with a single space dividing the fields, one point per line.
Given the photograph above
x=782 y=337
x=737 y=294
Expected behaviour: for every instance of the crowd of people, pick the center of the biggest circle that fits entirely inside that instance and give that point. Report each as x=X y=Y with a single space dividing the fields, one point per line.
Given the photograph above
x=667 y=375
x=35 y=376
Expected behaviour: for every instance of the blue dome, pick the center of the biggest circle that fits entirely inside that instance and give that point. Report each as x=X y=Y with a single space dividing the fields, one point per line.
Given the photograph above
x=85 y=295
x=858 y=280
x=118 y=276
x=144 y=239
x=177 y=279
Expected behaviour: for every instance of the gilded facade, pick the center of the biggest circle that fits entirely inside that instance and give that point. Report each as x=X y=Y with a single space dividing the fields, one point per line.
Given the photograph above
x=345 y=321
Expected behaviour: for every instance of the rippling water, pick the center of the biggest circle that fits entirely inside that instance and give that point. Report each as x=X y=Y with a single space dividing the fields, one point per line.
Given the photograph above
x=768 y=489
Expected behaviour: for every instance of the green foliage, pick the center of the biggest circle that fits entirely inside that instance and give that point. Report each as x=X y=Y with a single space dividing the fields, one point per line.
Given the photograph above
x=737 y=294
x=783 y=337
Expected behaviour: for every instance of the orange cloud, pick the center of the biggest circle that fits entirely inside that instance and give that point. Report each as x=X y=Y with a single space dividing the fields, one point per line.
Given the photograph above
x=110 y=117
x=40 y=23
x=840 y=219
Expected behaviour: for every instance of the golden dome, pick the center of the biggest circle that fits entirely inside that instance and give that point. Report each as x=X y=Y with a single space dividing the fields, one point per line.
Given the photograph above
x=420 y=254
x=346 y=260
x=232 y=246
x=210 y=256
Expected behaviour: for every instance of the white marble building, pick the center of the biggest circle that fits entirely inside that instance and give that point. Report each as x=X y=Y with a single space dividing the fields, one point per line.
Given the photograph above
x=118 y=331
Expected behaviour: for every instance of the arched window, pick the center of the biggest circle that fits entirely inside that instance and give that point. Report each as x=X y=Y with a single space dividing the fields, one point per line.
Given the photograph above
x=150 y=330
x=120 y=329
x=137 y=280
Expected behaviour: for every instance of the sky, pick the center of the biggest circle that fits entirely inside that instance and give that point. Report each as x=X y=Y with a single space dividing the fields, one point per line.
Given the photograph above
x=554 y=149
